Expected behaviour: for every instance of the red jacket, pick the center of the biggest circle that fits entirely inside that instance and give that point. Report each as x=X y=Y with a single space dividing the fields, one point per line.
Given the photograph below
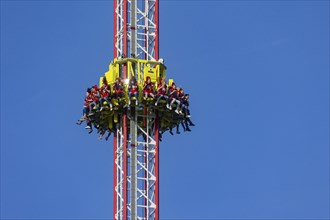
x=148 y=87
x=161 y=89
x=133 y=87
x=173 y=93
x=118 y=87
x=105 y=93
x=88 y=100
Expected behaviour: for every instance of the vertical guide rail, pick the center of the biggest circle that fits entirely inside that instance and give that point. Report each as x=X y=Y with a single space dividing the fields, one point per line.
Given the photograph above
x=115 y=158
x=119 y=171
x=133 y=163
x=146 y=179
x=120 y=137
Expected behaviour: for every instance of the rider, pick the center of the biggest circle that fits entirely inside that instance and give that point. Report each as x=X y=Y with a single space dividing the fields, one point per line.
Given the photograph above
x=87 y=101
x=94 y=95
x=161 y=91
x=105 y=95
x=118 y=89
x=133 y=90
x=180 y=98
x=148 y=88
x=185 y=104
x=173 y=97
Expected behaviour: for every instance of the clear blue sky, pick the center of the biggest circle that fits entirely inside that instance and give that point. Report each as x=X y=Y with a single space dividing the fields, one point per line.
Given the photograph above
x=258 y=75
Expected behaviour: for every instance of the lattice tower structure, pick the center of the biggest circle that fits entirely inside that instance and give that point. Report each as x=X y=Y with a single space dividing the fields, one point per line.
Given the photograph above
x=136 y=147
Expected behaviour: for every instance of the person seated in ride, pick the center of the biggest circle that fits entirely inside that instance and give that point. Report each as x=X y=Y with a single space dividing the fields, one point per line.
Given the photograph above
x=173 y=94
x=105 y=95
x=94 y=95
x=118 y=89
x=87 y=101
x=180 y=98
x=148 y=88
x=133 y=91
x=185 y=103
x=161 y=91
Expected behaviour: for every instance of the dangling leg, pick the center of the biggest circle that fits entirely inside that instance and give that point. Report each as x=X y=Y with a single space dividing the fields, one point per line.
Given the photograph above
x=160 y=136
x=160 y=96
x=177 y=106
x=183 y=125
x=88 y=124
x=101 y=103
x=173 y=100
x=171 y=132
x=187 y=126
x=107 y=137
x=177 y=128
x=190 y=122
x=101 y=134
x=83 y=117
x=168 y=103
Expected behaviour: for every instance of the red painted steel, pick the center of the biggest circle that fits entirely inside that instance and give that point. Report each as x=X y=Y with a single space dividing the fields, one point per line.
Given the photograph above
x=114 y=176
x=157 y=167
x=125 y=166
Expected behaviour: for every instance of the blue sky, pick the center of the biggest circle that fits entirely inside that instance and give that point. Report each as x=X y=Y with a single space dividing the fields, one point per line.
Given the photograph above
x=258 y=76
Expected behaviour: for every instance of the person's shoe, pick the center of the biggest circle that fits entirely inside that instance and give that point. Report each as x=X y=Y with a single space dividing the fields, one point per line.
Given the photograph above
x=88 y=127
x=156 y=104
x=101 y=109
x=178 y=132
x=188 y=129
x=129 y=102
x=188 y=116
x=91 y=113
x=168 y=106
x=136 y=103
x=90 y=131
x=171 y=132
x=79 y=122
x=177 y=111
x=192 y=124
x=106 y=138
